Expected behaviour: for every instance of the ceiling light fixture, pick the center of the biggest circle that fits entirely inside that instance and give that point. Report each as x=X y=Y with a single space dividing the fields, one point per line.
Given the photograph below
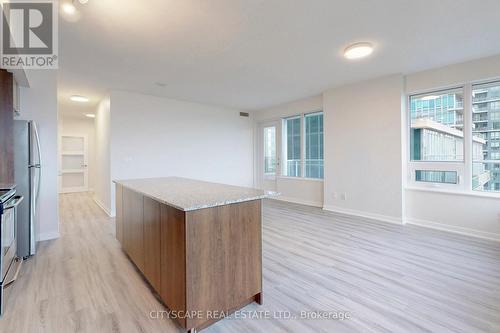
x=358 y=50
x=69 y=8
x=90 y=115
x=78 y=98
x=83 y=2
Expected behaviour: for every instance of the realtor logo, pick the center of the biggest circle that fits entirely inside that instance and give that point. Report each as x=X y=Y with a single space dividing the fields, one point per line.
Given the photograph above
x=29 y=34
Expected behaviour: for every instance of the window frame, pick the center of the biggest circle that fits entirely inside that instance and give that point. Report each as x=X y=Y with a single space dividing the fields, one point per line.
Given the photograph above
x=463 y=168
x=284 y=149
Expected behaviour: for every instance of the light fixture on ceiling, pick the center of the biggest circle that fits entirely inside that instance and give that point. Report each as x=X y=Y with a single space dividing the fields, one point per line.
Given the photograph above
x=69 y=8
x=78 y=98
x=358 y=50
x=161 y=84
x=90 y=115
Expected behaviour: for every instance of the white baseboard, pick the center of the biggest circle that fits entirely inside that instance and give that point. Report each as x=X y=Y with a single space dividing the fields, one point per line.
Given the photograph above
x=454 y=229
x=48 y=236
x=368 y=215
x=298 y=201
x=102 y=206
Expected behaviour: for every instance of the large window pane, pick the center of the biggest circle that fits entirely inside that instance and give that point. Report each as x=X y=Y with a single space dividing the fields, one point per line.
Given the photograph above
x=431 y=176
x=292 y=166
x=486 y=137
x=314 y=145
x=436 y=132
x=270 y=150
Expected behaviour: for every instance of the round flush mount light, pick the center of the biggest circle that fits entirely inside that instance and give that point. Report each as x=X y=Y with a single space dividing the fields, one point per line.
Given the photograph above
x=358 y=50
x=69 y=8
x=90 y=115
x=78 y=98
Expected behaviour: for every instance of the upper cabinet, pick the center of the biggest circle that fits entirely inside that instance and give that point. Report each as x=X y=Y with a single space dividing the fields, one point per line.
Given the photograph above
x=15 y=98
x=6 y=128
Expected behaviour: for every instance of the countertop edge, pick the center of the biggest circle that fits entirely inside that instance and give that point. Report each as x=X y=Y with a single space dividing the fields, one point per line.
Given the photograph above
x=193 y=208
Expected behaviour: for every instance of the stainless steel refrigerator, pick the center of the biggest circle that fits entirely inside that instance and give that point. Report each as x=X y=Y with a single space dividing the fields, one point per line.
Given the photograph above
x=27 y=170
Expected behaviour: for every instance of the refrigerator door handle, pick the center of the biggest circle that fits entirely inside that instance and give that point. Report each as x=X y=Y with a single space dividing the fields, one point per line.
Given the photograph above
x=38 y=166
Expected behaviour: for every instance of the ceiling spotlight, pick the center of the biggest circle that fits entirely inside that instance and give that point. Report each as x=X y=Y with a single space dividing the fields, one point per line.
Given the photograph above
x=83 y=2
x=78 y=98
x=358 y=50
x=90 y=115
x=69 y=8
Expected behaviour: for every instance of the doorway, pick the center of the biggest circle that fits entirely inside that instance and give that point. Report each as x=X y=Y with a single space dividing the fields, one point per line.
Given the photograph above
x=269 y=154
x=73 y=167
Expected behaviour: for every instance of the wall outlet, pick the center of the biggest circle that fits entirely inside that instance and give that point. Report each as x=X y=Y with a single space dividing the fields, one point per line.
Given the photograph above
x=335 y=195
x=344 y=196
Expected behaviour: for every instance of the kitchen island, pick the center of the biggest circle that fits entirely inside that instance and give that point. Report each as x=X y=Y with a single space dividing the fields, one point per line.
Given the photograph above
x=198 y=244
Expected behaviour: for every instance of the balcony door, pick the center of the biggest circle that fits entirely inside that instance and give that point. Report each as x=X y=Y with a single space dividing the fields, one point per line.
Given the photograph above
x=269 y=154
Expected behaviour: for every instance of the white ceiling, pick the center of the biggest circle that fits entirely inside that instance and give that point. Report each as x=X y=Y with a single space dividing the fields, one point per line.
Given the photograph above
x=252 y=54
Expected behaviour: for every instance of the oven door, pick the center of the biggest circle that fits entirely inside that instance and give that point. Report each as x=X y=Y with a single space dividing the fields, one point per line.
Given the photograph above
x=8 y=233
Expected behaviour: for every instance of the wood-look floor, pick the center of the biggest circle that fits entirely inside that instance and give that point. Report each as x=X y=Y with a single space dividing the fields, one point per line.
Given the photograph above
x=389 y=278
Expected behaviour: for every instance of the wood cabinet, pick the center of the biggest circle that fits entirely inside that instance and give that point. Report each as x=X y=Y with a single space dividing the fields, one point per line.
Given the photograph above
x=152 y=250
x=133 y=227
x=204 y=260
x=6 y=128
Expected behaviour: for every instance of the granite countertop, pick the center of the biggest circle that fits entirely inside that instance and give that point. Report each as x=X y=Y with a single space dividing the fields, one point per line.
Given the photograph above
x=189 y=194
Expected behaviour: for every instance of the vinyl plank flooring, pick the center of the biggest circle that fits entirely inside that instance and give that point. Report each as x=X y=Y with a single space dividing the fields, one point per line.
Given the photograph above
x=390 y=278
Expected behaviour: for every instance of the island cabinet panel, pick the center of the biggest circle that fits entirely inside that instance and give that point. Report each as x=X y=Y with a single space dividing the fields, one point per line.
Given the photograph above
x=173 y=260
x=223 y=258
x=152 y=241
x=133 y=227
x=119 y=213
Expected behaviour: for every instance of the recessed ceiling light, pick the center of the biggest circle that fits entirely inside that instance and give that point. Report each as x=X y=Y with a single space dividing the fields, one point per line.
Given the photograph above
x=358 y=50
x=90 y=115
x=161 y=84
x=83 y=1
x=78 y=98
x=69 y=8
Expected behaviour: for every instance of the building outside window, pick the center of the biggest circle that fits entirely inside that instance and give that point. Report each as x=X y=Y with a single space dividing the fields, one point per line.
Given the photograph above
x=303 y=146
x=437 y=149
x=292 y=147
x=486 y=103
x=314 y=145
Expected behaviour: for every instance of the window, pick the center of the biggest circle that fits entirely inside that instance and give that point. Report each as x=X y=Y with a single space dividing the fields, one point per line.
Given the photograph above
x=292 y=147
x=445 y=177
x=436 y=129
x=303 y=146
x=314 y=145
x=270 y=150
x=486 y=141
x=437 y=138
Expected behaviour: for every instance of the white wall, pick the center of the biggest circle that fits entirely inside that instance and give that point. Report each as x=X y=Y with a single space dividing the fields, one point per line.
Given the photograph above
x=363 y=148
x=39 y=103
x=476 y=215
x=158 y=137
x=305 y=191
x=102 y=179
x=81 y=125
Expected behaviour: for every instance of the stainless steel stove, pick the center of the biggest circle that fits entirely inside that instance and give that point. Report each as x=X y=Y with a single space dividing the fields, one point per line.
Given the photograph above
x=10 y=264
